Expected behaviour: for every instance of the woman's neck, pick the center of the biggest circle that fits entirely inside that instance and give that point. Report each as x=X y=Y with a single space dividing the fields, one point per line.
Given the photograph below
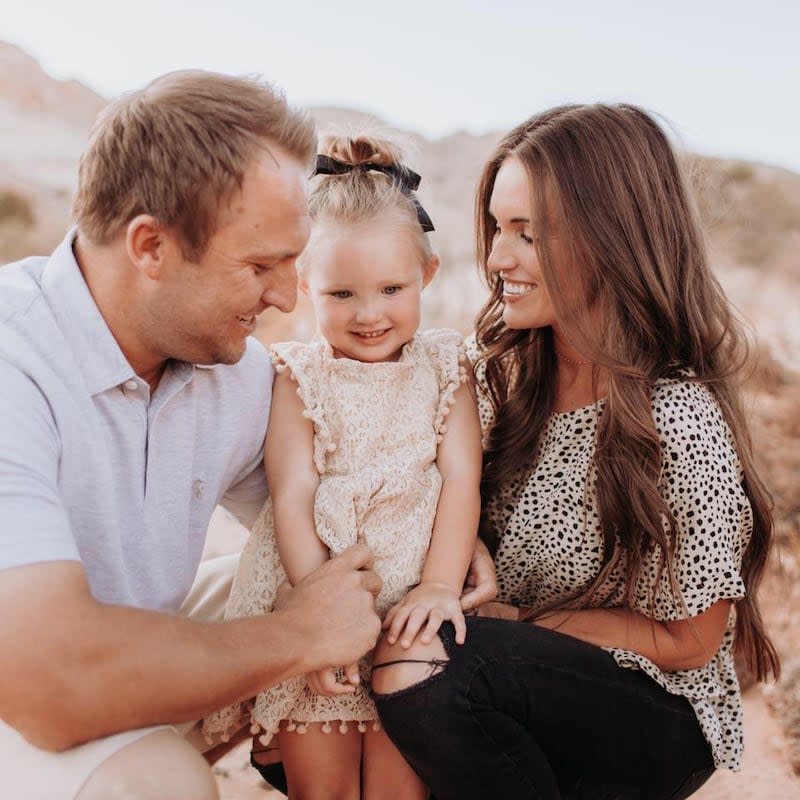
x=579 y=384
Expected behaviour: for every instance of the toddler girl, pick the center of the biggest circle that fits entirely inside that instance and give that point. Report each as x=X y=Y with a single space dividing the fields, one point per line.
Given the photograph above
x=373 y=437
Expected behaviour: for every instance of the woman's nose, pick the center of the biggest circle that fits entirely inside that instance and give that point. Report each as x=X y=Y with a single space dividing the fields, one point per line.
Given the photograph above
x=499 y=257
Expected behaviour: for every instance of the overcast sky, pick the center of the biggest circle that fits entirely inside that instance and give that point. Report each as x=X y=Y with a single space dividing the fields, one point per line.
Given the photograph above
x=726 y=75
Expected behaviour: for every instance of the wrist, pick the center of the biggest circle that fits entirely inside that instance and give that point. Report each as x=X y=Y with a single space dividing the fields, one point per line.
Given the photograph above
x=434 y=583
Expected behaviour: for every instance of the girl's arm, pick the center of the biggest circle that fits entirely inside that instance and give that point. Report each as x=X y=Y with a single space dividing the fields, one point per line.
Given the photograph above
x=293 y=481
x=455 y=527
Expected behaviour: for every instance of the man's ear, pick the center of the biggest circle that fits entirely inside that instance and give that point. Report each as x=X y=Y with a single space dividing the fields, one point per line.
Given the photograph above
x=430 y=269
x=147 y=243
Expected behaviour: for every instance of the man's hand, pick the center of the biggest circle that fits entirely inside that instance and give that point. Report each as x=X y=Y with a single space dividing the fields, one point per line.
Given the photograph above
x=424 y=609
x=332 y=610
x=480 y=585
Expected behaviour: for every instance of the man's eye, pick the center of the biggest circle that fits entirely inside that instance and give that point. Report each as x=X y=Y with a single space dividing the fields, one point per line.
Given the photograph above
x=391 y=289
x=260 y=269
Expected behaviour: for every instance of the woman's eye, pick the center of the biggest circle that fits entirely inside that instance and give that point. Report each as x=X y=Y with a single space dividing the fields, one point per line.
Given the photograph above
x=526 y=238
x=391 y=290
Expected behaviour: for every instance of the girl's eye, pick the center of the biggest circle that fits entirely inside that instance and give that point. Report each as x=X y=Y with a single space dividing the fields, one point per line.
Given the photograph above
x=526 y=238
x=343 y=294
x=391 y=290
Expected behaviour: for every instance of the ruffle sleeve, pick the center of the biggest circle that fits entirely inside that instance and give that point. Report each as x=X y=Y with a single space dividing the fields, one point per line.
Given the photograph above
x=445 y=348
x=306 y=365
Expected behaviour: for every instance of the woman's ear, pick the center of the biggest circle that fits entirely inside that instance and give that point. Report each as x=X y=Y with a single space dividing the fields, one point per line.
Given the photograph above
x=430 y=269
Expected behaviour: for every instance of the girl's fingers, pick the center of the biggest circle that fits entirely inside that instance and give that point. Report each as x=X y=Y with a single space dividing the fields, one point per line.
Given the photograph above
x=415 y=621
x=398 y=623
x=387 y=620
x=434 y=623
x=460 y=624
x=352 y=675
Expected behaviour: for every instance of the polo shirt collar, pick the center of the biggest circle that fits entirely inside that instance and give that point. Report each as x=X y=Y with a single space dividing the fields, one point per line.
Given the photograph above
x=83 y=327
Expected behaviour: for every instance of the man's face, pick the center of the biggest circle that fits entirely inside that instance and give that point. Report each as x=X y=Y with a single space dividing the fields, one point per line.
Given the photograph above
x=206 y=310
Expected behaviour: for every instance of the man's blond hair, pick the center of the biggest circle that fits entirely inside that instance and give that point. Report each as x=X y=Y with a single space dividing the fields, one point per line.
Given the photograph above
x=178 y=149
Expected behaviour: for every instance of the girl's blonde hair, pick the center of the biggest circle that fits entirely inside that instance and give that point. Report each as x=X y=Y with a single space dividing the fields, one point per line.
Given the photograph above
x=630 y=249
x=363 y=195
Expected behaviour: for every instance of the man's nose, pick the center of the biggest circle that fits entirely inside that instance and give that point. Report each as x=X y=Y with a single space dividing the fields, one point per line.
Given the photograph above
x=282 y=291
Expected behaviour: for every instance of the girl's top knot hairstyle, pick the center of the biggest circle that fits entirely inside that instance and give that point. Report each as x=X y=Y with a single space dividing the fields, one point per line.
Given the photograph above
x=361 y=179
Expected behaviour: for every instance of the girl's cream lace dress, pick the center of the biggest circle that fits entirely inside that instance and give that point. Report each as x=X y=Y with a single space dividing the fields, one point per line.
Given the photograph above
x=376 y=431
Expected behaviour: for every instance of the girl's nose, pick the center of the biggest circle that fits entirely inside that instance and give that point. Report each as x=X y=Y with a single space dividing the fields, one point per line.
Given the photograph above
x=367 y=312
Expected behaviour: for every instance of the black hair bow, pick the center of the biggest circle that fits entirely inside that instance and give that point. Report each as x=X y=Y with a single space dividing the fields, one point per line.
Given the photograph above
x=404 y=178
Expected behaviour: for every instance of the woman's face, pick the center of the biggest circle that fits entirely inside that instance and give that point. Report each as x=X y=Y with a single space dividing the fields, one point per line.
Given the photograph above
x=513 y=256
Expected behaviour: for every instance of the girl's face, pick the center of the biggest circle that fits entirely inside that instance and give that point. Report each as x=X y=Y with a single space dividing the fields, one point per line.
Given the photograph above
x=513 y=255
x=365 y=283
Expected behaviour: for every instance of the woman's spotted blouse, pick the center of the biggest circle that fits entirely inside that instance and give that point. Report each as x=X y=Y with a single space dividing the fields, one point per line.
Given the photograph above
x=550 y=538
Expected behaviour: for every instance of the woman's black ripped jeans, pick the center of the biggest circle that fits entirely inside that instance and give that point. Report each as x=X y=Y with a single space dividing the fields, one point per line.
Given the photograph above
x=522 y=712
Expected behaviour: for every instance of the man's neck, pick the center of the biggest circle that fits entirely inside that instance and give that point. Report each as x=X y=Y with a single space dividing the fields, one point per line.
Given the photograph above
x=110 y=282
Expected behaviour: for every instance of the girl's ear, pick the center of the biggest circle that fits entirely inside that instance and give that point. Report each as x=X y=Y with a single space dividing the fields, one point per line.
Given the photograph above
x=430 y=269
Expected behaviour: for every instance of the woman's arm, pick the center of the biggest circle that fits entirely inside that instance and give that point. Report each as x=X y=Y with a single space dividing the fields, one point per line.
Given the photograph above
x=293 y=481
x=677 y=645
x=452 y=547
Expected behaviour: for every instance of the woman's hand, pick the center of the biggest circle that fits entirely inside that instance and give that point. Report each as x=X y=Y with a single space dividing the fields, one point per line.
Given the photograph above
x=424 y=609
x=497 y=610
x=480 y=585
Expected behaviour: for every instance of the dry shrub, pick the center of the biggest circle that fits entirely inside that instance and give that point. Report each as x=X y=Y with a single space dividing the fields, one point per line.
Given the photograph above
x=15 y=208
x=749 y=210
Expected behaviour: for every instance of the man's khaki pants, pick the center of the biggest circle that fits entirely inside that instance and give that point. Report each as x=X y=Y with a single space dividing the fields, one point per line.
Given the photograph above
x=27 y=773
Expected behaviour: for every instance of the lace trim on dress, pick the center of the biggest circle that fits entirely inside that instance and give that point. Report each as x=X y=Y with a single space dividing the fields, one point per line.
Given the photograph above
x=446 y=349
x=297 y=358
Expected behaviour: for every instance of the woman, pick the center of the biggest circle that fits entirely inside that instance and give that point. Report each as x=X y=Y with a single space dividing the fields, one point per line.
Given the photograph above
x=629 y=525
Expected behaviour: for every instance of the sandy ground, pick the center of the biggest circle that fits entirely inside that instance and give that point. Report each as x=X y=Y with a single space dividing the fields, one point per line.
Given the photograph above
x=765 y=774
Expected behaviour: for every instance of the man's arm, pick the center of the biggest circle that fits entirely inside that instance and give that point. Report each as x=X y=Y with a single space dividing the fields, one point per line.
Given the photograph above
x=73 y=669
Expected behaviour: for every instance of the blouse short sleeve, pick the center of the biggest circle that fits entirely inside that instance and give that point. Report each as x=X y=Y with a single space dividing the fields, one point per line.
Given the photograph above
x=701 y=482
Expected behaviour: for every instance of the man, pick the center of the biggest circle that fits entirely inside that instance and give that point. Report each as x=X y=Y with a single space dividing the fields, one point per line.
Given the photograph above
x=133 y=401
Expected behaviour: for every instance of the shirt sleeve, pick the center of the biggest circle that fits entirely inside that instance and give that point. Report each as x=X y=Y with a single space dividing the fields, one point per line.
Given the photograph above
x=247 y=491
x=701 y=482
x=34 y=525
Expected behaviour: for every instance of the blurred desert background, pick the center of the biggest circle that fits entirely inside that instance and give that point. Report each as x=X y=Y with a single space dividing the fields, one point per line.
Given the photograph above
x=751 y=214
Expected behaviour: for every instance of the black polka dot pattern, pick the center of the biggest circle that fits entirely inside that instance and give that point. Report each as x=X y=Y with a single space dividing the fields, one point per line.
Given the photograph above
x=551 y=542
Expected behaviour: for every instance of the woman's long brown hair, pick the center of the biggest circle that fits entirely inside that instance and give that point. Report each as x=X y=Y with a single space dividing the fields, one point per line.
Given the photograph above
x=633 y=292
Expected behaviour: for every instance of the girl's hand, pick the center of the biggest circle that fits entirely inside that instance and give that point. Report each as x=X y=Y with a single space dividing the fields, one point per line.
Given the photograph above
x=326 y=681
x=427 y=604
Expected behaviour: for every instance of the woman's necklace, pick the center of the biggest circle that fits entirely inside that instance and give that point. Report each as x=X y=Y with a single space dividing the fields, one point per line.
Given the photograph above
x=572 y=361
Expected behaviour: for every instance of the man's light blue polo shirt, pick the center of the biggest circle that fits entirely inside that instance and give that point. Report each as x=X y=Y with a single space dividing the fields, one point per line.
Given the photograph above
x=93 y=468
